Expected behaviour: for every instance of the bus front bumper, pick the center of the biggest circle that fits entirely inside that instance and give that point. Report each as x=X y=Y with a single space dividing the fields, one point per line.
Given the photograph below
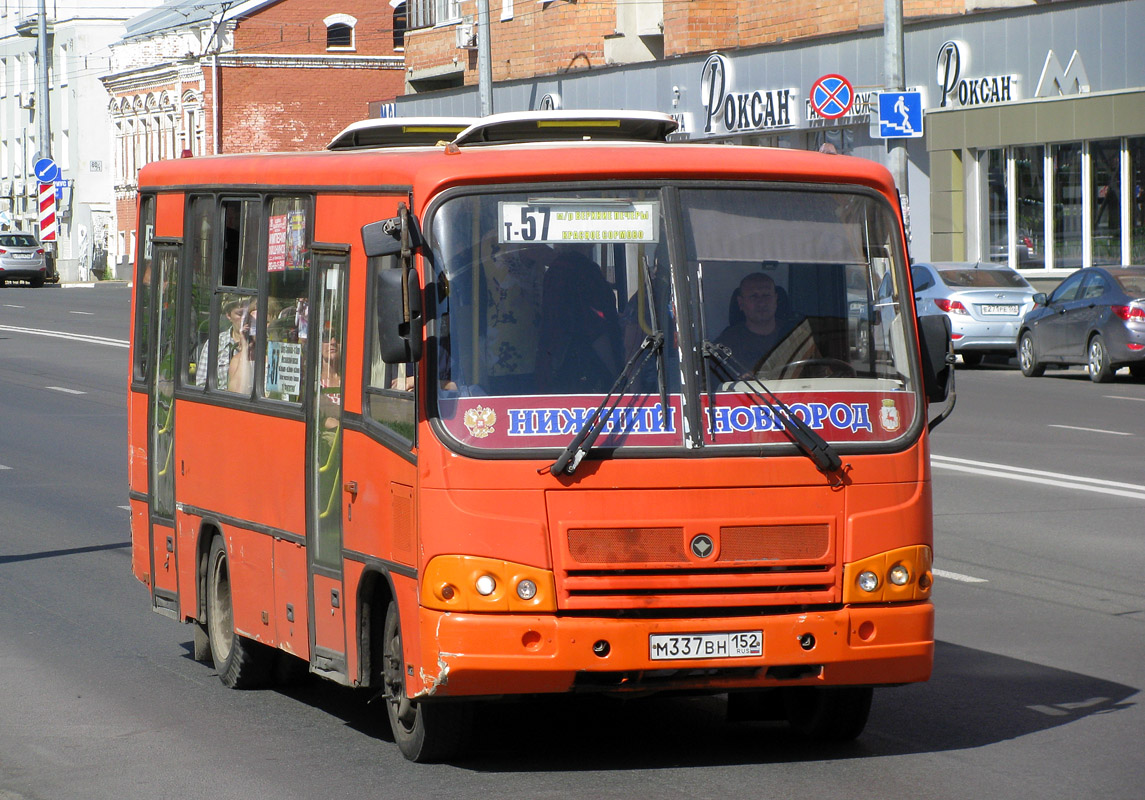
x=503 y=654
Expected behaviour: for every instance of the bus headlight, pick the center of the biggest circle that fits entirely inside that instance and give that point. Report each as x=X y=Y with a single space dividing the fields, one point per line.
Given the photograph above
x=899 y=575
x=472 y=583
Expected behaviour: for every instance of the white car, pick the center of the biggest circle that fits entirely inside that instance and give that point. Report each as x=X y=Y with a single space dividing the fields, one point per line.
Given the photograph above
x=985 y=304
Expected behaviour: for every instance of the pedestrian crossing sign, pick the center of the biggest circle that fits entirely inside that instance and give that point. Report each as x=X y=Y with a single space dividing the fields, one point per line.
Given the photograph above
x=900 y=115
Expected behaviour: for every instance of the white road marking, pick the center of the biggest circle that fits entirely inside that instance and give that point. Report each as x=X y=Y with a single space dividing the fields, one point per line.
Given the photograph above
x=125 y=508
x=75 y=337
x=4 y=467
x=62 y=389
x=1091 y=430
x=955 y=576
x=1123 y=397
x=84 y=313
x=9 y=305
x=1059 y=479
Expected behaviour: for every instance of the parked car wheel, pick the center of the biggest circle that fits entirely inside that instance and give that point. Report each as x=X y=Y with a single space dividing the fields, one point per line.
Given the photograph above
x=1100 y=370
x=1028 y=359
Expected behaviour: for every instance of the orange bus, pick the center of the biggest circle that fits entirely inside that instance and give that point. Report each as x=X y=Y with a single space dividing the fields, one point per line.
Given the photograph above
x=559 y=406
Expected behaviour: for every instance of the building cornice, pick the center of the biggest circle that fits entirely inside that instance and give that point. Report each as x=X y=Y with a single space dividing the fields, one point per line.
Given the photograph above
x=156 y=76
x=309 y=61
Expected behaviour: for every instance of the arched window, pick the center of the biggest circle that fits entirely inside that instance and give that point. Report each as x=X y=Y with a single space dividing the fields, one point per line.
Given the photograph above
x=400 y=23
x=340 y=31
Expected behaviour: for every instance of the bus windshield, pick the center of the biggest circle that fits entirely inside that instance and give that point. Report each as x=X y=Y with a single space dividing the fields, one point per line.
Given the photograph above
x=542 y=297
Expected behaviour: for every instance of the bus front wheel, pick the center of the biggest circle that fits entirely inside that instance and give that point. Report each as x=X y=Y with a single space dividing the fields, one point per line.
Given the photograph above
x=424 y=732
x=242 y=663
x=829 y=714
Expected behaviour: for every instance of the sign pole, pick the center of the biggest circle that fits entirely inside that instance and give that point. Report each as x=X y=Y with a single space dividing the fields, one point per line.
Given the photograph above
x=894 y=79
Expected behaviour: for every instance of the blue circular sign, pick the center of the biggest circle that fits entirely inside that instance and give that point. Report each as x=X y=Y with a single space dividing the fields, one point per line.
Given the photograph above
x=47 y=171
x=832 y=96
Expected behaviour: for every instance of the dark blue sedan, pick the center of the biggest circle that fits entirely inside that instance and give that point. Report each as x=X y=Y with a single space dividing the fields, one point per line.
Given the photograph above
x=1095 y=317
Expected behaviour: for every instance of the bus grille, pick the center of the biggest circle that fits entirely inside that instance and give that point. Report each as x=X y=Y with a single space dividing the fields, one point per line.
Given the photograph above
x=755 y=565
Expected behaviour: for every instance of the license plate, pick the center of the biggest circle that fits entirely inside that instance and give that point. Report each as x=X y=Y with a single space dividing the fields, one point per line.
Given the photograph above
x=1000 y=310
x=23 y=255
x=671 y=646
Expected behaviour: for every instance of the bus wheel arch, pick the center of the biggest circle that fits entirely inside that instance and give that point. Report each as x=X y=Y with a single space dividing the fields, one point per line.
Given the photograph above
x=424 y=731
x=201 y=643
x=242 y=663
x=375 y=593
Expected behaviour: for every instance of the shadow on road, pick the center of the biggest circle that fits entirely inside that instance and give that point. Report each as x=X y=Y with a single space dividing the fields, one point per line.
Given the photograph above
x=973 y=699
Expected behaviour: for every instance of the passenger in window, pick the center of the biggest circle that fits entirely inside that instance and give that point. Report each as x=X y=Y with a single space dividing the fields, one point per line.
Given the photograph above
x=234 y=363
x=581 y=341
x=330 y=380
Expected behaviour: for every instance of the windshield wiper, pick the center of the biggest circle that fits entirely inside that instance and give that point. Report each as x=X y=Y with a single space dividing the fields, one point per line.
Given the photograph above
x=810 y=443
x=581 y=443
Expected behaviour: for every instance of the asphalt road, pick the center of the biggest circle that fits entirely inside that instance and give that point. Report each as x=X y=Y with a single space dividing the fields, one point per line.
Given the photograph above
x=1040 y=547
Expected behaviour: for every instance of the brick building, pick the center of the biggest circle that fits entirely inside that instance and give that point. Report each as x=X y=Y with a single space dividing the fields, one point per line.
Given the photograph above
x=201 y=77
x=1030 y=114
x=548 y=37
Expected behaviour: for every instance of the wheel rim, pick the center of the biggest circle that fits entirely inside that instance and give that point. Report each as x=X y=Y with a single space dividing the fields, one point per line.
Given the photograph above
x=401 y=709
x=221 y=617
x=1096 y=356
x=1027 y=353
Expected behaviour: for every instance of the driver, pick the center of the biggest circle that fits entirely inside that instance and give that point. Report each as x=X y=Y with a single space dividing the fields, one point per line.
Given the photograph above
x=752 y=338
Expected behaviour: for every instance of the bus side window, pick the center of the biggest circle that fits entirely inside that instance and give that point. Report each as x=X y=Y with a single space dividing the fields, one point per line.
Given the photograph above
x=196 y=354
x=236 y=297
x=390 y=387
x=288 y=310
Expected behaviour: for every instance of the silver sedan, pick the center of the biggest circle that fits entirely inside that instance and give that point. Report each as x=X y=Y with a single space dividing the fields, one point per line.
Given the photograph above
x=985 y=304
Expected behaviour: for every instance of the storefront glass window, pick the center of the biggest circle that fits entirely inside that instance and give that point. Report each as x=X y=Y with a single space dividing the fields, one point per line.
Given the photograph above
x=1137 y=201
x=1029 y=174
x=997 y=214
x=1105 y=172
x=1067 y=204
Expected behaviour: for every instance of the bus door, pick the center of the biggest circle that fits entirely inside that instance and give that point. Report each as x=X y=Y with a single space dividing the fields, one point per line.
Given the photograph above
x=161 y=424
x=327 y=327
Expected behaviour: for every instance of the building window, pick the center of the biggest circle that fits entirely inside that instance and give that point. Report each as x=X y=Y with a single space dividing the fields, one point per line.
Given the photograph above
x=340 y=32
x=420 y=14
x=1135 y=152
x=1030 y=202
x=1067 y=227
x=1105 y=210
x=448 y=11
x=400 y=24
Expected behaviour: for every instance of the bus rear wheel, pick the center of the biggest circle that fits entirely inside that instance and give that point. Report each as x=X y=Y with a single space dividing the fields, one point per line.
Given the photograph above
x=242 y=663
x=424 y=732
x=829 y=714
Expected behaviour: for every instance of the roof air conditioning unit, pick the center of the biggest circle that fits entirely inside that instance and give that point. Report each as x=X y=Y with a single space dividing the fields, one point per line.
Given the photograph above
x=466 y=36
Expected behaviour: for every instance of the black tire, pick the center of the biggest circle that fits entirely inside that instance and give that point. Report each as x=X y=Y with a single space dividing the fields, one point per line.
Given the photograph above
x=1097 y=354
x=830 y=714
x=1028 y=357
x=37 y=283
x=242 y=663
x=971 y=360
x=424 y=732
x=201 y=643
